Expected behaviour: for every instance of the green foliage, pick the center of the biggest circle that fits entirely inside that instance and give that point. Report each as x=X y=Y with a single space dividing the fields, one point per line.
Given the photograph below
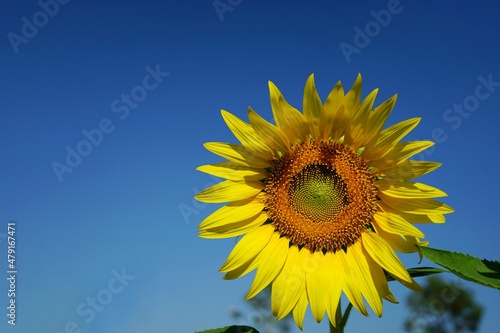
x=470 y=268
x=419 y=272
x=443 y=307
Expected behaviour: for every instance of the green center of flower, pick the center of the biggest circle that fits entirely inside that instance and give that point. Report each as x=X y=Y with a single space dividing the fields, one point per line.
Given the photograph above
x=321 y=195
x=318 y=193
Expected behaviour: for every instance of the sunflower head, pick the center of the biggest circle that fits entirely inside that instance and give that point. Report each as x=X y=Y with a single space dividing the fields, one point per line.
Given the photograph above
x=323 y=199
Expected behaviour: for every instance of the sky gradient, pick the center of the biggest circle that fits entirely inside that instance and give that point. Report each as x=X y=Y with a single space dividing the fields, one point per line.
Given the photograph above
x=105 y=109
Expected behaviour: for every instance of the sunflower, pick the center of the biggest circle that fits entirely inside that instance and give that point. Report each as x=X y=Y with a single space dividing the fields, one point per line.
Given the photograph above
x=323 y=200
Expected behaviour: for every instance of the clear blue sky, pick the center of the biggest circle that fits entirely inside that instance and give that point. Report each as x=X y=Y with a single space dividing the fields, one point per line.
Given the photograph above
x=146 y=80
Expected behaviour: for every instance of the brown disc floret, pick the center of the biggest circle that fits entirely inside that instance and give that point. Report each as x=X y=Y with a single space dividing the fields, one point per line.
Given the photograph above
x=321 y=195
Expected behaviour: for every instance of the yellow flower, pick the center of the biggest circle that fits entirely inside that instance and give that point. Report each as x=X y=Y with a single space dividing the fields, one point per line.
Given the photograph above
x=323 y=198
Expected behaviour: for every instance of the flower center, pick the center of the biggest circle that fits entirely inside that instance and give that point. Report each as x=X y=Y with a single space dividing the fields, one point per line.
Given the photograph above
x=321 y=195
x=318 y=193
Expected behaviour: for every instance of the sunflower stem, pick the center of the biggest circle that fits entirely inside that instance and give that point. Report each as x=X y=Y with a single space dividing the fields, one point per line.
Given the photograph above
x=346 y=315
x=340 y=319
x=333 y=329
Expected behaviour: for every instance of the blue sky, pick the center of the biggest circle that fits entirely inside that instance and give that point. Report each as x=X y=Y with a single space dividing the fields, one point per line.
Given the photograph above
x=144 y=83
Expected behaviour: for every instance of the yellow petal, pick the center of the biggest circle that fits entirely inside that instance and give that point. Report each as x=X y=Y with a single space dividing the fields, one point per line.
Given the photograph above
x=416 y=206
x=396 y=241
x=395 y=224
x=248 y=247
x=399 y=153
x=234 y=212
x=270 y=134
x=334 y=100
x=235 y=229
x=351 y=282
x=409 y=169
x=240 y=271
x=318 y=284
x=366 y=108
x=382 y=253
x=299 y=311
x=377 y=119
x=404 y=150
x=380 y=280
x=229 y=190
x=359 y=281
x=312 y=107
x=429 y=218
x=413 y=285
x=353 y=96
x=360 y=128
x=393 y=134
x=336 y=273
x=233 y=171
x=270 y=261
x=336 y=118
x=246 y=134
x=409 y=190
x=416 y=241
x=290 y=283
x=367 y=286
x=289 y=120
x=413 y=218
x=237 y=154
x=388 y=138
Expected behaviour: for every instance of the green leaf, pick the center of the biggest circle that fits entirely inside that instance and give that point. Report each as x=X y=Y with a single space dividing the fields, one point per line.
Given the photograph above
x=419 y=271
x=467 y=267
x=232 y=329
